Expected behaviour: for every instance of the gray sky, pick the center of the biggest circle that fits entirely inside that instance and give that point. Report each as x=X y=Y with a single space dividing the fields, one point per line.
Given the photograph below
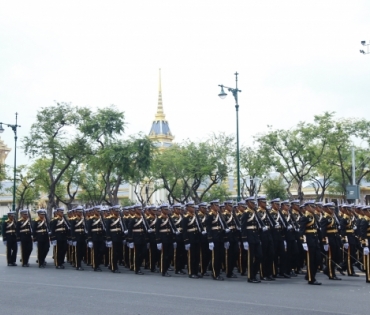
x=295 y=59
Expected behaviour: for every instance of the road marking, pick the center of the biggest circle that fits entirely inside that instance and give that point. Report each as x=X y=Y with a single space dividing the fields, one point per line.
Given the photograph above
x=197 y=298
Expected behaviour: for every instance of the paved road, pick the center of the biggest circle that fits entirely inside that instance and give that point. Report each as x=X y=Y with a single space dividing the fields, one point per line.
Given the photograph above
x=50 y=291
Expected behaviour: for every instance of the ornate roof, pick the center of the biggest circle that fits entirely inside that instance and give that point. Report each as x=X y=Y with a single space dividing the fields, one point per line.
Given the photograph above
x=160 y=133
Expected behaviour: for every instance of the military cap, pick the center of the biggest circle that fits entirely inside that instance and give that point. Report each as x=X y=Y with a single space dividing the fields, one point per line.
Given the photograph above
x=11 y=213
x=228 y=202
x=275 y=200
x=319 y=203
x=329 y=204
x=309 y=203
x=41 y=211
x=137 y=205
x=242 y=203
x=79 y=208
x=97 y=207
x=295 y=201
x=251 y=198
x=164 y=205
x=262 y=197
x=203 y=204
x=24 y=211
x=116 y=207
x=214 y=201
x=285 y=201
x=190 y=204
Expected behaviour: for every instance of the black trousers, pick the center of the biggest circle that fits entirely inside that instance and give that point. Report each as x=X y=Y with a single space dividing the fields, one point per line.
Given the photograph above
x=286 y=258
x=166 y=256
x=242 y=260
x=313 y=257
x=80 y=252
x=205 y=257
x=60 y=252
x=26 y=250
x=153 y=256
x=267 y=258
x=349 y=258
x=193 y=258
x=114 y=255
x=97 y=253
x=254 y=255
x=139 y=255
x=231 y=256
x=42 y=251
x=217 y=258
x=179 y=256
x=333 y=255
x=11 y=250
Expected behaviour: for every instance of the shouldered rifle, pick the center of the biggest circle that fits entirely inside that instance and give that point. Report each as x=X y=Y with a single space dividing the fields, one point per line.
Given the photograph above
x=295 y=223
x=122 y=222
x=30 y=220
x=103 y=222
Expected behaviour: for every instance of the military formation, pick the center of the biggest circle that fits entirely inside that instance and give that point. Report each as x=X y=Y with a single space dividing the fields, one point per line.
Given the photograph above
x=252 y=239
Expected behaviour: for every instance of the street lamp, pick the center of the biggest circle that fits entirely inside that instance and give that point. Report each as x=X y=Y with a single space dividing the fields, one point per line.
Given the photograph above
x=14 y=128
x=363 y=43
x=222 y=95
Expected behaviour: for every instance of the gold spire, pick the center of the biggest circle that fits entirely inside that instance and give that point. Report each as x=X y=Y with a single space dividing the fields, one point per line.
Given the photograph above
x=160 y=114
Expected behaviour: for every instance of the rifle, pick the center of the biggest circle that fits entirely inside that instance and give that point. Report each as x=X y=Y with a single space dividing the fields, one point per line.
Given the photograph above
x=145 y=222
x=122 y=223
x=30 y=220
x=236 y=220
x=47 y=223
x=283 y=220
x=260 y=223
x=199 y=224
x=103 y=222
x=67 y=222
x=295 y=223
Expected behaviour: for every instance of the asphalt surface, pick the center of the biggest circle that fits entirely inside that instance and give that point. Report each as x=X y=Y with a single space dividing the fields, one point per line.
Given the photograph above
x=51 y=291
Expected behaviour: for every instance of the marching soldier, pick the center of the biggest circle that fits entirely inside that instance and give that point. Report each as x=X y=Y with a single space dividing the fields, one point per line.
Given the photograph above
x=78 y=236
x=290 y=240
x=59 y=233
x=298 y=251
x=96 y=238
x=233 y=237
x=204 y=249
x=153 y=251
x=365 y=238
x=24 y=236
x=267 y=261
x=164 y=234
x=191 y=228
x=331 y=240
x=10 y=239
x=137 y=238
x=179 y=250
x=310 y=241
x=250 y=227
x=216 y=238
x=41 y=236
x=115 y=234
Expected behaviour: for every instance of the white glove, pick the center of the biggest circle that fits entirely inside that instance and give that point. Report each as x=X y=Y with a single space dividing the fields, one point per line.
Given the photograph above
x=131 y=245
x=238 y=228
x=289 y=227
x=204 y=232
x=211 y=246
x=150 y=230
x=177 y=232
x=108 y=244
x=74 y=243
x=4 y=243
x=69 y=243
x=19 y=243
x=124 y=242
x=126 y=232
x=226 y=245
x=355 y=227
x=246 y=245
x=305 y=247
x=285 y=245
x=159 y=246
x=35 y=243
x=53 y=243
x=366 y=251
x=187 y=246
x=264 y=229
x=326 y=247
x=227 y=230
x=90 y=244
x=345 y=245
x=147 y=245
x=277 y=225
x=175 y=245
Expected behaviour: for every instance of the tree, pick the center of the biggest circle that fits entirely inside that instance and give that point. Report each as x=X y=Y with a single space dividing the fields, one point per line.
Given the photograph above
x=275 y=188
x=64 y=134
x=295 y=152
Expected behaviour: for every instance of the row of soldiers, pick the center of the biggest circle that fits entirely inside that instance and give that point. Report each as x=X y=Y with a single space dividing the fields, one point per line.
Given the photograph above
x=274 y=242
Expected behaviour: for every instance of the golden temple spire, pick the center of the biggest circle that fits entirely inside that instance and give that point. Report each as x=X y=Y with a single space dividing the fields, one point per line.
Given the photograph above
x=160 y=114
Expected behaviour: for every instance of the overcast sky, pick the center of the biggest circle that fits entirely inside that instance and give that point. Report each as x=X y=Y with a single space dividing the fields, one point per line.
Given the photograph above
x=295 y=59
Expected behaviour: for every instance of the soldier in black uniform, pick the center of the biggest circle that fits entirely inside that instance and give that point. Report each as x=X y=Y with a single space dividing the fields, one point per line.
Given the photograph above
x=347 y=223
x=250 y=227
x=266 y=241
x=204 y=247
x=216 y=238
x=233 y=237
x=96 y=238
x=24 y=236
x=290 y=241
x=298 y=251
x=59 y=233
x=331 y=240
x=10 y=239
x=153 y=251
x=41 y=239
x=78 y=236
x=364 y=234
x=165 y=239
x=179 y=257
x=191 y=229
x=115 y=234
x=310 y=241
x=137 y=231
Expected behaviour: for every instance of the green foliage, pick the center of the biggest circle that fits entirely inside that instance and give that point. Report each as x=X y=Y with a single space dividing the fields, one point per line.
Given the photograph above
x=275 y=188
x=219 y=191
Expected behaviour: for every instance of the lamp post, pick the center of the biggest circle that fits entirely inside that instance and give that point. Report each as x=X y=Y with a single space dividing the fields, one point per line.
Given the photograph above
x=14 y=128
x=222 y=95
x=363 y=43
